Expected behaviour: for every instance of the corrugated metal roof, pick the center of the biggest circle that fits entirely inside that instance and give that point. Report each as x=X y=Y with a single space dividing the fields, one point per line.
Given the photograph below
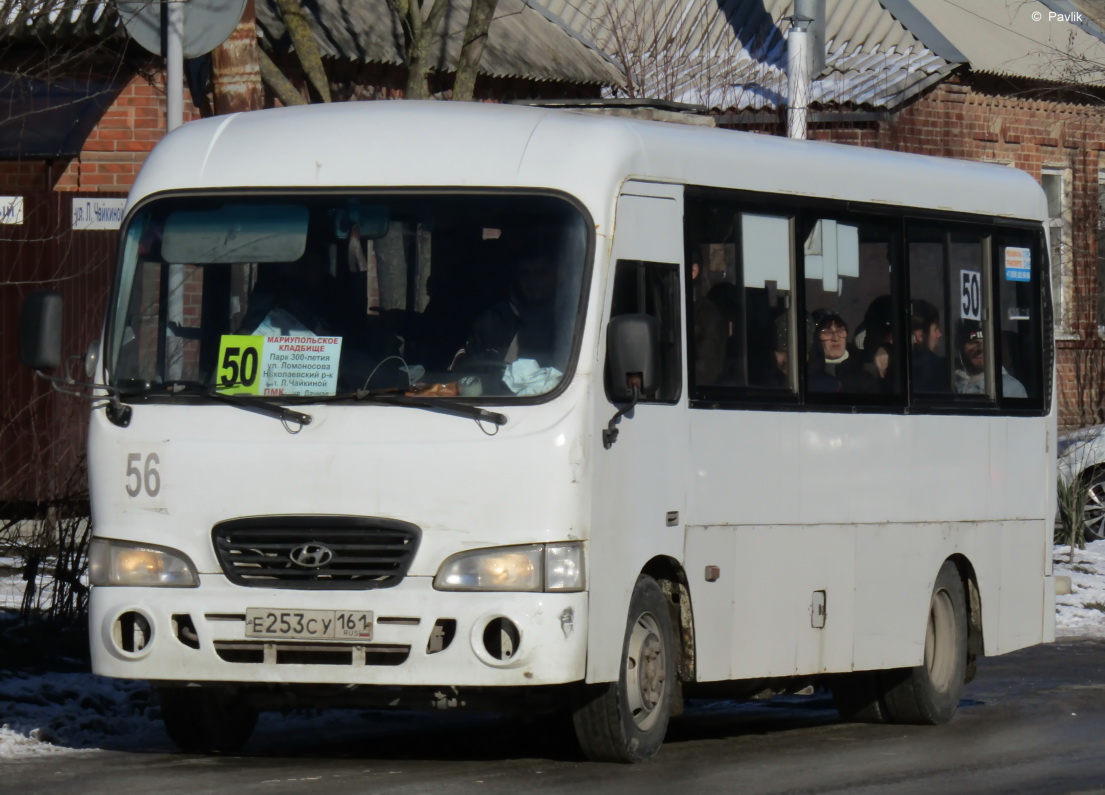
x=56 y=21
x=734 y=51
x=878 y=54
x=524 y=41
x=1023 y=39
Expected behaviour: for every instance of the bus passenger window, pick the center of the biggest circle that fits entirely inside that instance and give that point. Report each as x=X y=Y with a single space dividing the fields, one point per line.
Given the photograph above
x=652 y=288
x=931 y=365
x=949 y=317
x=853 y=324
x=739 y=299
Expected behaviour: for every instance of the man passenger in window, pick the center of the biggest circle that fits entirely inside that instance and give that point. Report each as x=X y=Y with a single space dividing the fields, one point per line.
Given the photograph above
x=523 y=326
x=929 y=373
x=834 y=365
x=970 y=374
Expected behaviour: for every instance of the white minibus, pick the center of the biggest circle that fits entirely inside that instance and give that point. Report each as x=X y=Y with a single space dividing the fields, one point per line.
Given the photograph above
x=445 y=404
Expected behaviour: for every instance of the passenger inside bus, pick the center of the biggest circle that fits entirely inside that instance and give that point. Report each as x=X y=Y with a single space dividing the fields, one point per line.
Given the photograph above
x=929 y=369
x=524 y=325
x=834 y=364
x=711 y=330
x=302 y=298
x=291 y=298
x=875 y=337
x=780 y=354
x=970 y=374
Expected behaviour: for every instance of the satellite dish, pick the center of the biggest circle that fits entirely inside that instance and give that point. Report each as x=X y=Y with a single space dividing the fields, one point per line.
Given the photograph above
x=207 y=23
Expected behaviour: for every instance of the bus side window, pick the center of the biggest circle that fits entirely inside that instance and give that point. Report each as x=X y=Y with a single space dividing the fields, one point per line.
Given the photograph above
x=854 y=324
x=740 y=266
x=951 y=349
x=652 y=288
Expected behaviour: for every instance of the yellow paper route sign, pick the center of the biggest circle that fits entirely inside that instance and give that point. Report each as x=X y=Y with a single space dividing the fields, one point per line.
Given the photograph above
x=251 y=364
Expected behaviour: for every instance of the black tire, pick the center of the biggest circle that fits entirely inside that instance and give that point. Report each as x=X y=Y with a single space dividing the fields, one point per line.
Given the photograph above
x=625 y=721
x=206 y=720
x=858 y=697
x=929 y=693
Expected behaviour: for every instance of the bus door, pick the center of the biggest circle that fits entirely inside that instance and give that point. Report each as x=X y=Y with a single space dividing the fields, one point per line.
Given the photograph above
x=640 y=486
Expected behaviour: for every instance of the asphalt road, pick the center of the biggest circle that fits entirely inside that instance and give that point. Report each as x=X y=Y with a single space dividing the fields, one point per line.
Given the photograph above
x=1033 y=721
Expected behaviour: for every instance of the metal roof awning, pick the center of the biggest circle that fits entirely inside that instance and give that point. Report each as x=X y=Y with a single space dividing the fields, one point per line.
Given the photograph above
x=523 y=41
x=50 y=118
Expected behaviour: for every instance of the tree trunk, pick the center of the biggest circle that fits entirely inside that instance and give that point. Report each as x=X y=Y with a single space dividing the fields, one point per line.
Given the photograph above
x=275 y=79
x=306 y=46
x=418 y=32
x=475 y=37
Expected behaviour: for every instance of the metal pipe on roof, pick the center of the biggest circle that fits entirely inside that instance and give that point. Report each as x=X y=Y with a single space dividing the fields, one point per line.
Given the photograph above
x=798 y=75
x=174 y=65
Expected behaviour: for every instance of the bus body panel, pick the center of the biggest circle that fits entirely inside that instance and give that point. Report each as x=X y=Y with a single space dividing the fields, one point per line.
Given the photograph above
x=642 y=479
x=404 y=144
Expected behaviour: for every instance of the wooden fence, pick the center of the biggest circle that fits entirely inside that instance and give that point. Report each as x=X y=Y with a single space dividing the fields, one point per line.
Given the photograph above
x=42 y=433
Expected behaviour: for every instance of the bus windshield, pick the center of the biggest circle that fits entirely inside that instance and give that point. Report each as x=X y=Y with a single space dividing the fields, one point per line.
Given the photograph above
x=428 y=295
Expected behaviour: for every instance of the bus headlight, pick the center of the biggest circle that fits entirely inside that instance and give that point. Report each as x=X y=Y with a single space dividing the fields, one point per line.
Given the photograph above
x=535 y=567
x=122 y=563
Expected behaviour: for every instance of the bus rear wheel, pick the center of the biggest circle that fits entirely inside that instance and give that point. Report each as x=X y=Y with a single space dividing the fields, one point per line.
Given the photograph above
x=206 y=720
x=928 y=693
x=626 y=720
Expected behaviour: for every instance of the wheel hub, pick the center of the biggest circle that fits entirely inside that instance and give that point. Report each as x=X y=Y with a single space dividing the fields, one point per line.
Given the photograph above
x=646 y=672
x=651 y=677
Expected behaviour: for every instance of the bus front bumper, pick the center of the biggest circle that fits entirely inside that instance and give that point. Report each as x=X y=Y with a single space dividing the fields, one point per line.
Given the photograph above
x=413 y=635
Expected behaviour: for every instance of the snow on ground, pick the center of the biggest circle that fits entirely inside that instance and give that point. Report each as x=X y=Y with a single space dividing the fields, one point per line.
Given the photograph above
x=1082 y=612
x=77 y=712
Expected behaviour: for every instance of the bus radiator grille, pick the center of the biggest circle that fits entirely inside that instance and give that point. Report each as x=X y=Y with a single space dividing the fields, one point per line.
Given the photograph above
x=316 y=552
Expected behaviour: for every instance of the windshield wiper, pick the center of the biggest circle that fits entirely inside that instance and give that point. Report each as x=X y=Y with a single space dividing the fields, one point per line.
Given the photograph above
x=258 y=405
x=397 y=397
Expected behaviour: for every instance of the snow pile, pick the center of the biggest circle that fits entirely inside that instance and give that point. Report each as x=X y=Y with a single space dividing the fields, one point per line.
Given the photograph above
x=1082 y=611
x=68 y=712
x=42 y=714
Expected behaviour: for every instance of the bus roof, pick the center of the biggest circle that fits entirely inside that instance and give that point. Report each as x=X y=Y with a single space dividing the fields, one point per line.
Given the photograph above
x=455 y=144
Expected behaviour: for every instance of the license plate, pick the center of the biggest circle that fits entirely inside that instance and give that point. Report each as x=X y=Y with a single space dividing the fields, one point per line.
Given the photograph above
x=308 y=624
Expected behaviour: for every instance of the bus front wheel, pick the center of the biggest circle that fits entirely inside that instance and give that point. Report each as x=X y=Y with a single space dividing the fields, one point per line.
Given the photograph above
x=206 y=720
x=626 y=720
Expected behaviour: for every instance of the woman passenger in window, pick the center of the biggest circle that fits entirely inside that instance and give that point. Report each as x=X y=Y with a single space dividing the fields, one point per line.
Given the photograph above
x=834 y=365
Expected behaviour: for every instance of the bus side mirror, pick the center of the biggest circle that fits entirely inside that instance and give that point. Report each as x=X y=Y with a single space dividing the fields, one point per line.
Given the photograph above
x=40 y=330
x=632 y=355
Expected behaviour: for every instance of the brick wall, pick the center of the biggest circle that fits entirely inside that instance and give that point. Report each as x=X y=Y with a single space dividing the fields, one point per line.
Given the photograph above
x=112 y=154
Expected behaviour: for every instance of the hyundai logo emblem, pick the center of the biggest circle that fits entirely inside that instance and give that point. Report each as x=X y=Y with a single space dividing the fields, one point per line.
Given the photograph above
x=311 y=556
